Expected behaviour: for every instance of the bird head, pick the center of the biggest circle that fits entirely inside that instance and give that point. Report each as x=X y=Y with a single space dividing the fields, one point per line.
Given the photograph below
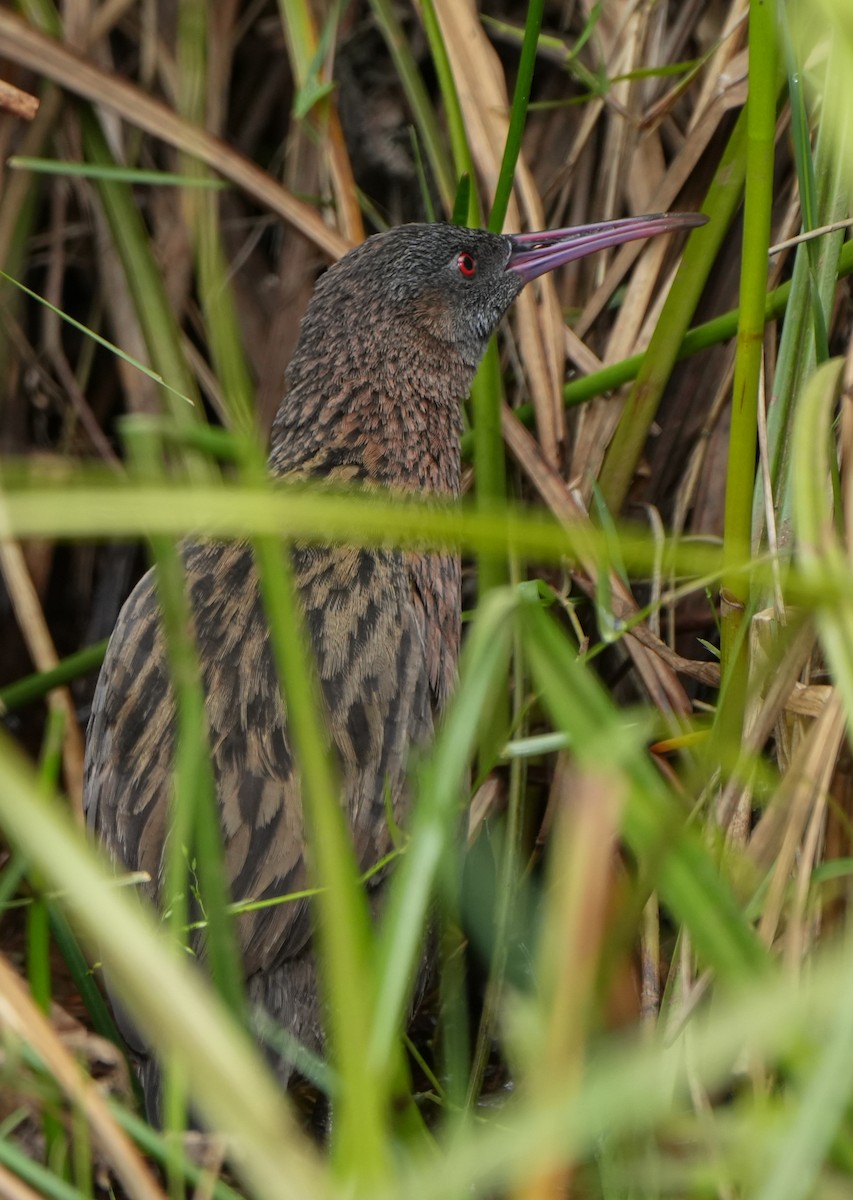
x=393 y=335
x=453 y=285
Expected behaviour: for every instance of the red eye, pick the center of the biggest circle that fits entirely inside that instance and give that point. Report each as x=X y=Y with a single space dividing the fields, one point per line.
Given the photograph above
x=467 y=264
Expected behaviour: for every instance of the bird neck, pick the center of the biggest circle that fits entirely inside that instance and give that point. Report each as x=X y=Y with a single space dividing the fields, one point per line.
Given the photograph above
x=387 y=414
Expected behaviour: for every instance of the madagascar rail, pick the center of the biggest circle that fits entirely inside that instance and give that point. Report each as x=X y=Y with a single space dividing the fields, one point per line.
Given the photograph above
x=387 y=351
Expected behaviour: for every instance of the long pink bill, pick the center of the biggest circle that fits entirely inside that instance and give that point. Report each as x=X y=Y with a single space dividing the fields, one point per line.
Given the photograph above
x=535 y=253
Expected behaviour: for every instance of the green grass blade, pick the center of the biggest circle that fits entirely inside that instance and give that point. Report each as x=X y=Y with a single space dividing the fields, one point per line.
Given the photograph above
x=436 y=817
x=222 y=328
x=517 y=115
x=463 y=162
x=36 y=686
x=817 y=544
x=194 y=845
x=743 y=437
x=813 y=285
x=133 y=175
x=345 y=940
x=823 y=1101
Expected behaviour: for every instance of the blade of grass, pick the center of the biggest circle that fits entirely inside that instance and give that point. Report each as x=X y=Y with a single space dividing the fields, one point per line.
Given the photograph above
x=194 y=825
x=38 y=927
x=49 y=1185
x=46 y=1048
x=487 y=392
x=134 y=175
x=39 y=969
x=806 y=180
x=21 y=202
x=638 y=1083
x=81 y=973
x=307 y=53
x=817 y=543
x=101 y=341
x=517 y=114
x=152 y=1143
x=36 y=686
x=359 y=1146
x=806 y=1139
x=96 y=507
x=508 y=880
x=812 y=288
x=50 y=59
x=463 y=163
x=764 y=81
x=434 y=821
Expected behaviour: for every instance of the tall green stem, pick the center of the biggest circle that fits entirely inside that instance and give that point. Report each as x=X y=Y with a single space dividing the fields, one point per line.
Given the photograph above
x=761 y=126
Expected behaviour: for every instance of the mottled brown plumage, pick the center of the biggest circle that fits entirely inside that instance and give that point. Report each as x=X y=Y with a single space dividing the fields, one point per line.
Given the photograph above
x=387 y=351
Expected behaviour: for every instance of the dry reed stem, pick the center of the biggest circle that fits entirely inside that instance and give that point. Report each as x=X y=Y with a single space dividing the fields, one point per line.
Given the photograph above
x=17 y=102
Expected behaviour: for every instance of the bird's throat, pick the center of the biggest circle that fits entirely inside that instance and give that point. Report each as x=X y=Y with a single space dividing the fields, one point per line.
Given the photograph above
x=395 y=428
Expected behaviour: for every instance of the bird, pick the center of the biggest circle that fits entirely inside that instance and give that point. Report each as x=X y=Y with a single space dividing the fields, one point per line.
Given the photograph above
x=387 y=351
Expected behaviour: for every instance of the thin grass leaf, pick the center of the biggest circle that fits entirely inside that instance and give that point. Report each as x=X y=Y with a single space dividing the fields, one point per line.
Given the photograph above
x=194 y=845
x=120 y=174
x=360 y=1148
x=823 y=1099
x=812 y=284
x=817 y=543
x=36 y=686
x=462 y=203
x=435 y=819
x=517 y=115
x=743 y=438
x=222 y=327
x=102 y=341
x=103 y=509
x=637 y=1083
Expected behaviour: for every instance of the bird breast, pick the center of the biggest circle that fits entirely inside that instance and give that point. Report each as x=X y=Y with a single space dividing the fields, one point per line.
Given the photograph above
x=384 y=628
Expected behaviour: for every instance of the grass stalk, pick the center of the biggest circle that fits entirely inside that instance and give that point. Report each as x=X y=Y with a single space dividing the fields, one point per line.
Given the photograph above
x=193 y=851
x=517 y=115
x=740 y=474
x=35 y=687
x=359 y=1147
